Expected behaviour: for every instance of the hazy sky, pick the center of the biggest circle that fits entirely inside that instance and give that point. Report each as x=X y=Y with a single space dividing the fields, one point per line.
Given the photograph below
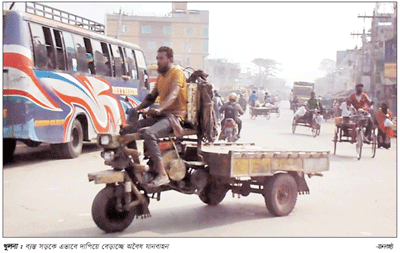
x=296 y=34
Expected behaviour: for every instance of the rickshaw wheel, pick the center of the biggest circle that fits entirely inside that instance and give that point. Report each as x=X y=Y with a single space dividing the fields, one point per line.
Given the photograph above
x=294 y=125
x=359 y=143
x=314 y=129
x=280 y=194
x=374 y=142
x=335 y=140
x=268 y=115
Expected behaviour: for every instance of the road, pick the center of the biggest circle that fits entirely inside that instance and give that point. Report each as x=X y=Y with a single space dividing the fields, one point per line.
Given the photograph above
x=45 y=197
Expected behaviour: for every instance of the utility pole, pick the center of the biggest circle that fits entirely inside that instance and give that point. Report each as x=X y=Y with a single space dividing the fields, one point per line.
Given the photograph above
x=374 y=35
x=119 y=23
x=364 y=40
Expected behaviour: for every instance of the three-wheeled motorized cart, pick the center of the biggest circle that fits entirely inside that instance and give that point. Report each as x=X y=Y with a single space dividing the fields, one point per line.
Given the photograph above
x=196 y=166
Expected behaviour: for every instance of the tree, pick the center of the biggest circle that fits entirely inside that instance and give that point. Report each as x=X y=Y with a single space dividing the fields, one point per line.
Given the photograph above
x=267 y=68
x=327 y=65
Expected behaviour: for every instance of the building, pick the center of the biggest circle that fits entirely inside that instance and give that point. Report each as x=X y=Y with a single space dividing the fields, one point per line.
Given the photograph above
x=223 y=74
x=185 y=31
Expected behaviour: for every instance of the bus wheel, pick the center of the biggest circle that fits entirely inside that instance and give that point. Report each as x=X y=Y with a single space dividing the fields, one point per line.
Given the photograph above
x=8 y=150
x=73 y=148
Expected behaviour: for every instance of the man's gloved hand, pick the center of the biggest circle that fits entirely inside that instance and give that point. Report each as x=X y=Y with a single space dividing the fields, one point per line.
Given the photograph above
x=153 y=112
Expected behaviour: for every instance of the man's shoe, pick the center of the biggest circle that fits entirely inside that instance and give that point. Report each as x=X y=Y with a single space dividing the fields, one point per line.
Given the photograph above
x=159 y=181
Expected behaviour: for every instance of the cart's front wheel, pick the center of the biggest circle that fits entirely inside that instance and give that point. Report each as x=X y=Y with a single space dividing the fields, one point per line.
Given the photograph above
x=105 y=214
x=280 y=194
x=213 y=193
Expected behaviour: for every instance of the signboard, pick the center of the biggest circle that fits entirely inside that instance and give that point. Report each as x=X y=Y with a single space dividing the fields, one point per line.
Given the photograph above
x=390 y=70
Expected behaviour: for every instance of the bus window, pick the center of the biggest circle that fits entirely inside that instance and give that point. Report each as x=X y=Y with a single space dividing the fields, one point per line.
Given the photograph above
x=51 y=60
x=70 y=49
x=141 y=63
x=59 y=50
x=117 y=61
x=39 y=46
x=89 y=55
x=81 y=54
x=124 y=61
x=131 y=64
x=107 y=58
x=99 y=63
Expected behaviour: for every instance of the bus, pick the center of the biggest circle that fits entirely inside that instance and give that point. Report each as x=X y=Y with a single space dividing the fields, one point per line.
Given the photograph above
x=64 y=81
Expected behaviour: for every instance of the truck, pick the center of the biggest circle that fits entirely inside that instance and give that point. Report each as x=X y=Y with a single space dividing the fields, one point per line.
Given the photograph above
x=302 y=91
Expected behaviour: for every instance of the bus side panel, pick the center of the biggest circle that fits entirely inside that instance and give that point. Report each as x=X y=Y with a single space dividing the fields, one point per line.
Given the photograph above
x=41 y=104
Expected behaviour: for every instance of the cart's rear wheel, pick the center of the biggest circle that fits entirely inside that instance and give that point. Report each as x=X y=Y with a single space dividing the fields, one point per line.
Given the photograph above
x=374 y=142
x=213 y=193
x=294 y=125
x=359 y=143
x=280 y=194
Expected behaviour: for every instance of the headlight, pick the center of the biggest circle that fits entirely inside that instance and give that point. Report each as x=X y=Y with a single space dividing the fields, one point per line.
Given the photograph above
x=108 y=156
x=104 y=140
x=108 y=140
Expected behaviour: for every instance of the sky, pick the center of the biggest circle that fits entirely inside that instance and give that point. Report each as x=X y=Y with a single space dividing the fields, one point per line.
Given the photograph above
x=298 y=35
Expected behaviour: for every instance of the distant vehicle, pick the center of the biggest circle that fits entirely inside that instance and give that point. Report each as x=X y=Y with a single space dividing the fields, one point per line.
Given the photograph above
x=65 y=82
x=302 y=90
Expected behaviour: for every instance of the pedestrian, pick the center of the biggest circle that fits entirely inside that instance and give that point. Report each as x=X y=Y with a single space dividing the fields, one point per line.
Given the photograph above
x=217 y=106
x=385 y=130
x=253 y=98
x=243 y=102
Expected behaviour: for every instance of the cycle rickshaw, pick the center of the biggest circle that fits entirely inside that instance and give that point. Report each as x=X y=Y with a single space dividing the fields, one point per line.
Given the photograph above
x=352 y=129
x=311 y=120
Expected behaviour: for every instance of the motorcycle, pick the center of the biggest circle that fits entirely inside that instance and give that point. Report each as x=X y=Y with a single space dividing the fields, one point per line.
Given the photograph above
x=229 y=130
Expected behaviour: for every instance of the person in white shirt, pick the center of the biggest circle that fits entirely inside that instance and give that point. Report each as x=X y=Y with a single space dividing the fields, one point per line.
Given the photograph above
x=346 y=108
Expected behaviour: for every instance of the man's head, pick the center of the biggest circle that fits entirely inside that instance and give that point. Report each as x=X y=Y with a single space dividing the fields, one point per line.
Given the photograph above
x=232 y=97
x=359 y=88
x=165 y=58
x=312 y=94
